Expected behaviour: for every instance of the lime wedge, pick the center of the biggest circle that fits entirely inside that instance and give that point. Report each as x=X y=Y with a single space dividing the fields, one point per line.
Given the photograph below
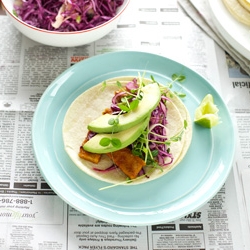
x=206 y=114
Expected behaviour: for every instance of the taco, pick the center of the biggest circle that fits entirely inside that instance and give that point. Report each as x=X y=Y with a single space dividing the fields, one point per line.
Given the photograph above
x=127 y=130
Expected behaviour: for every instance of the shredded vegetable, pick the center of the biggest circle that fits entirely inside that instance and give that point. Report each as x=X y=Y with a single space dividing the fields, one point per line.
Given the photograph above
x=66 y=15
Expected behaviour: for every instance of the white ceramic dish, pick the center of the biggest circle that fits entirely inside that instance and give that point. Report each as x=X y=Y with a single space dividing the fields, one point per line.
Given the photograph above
x=63 y=39
x=234 y=32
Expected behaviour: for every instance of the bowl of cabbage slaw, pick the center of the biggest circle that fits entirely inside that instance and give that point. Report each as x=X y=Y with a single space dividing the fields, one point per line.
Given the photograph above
x=65 y=23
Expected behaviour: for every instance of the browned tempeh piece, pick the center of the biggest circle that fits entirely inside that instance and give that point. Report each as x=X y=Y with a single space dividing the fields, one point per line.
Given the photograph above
x=93 y=157
x=129 y=164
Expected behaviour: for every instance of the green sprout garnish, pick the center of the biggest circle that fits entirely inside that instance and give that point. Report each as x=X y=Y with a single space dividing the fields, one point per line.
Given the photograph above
x=180 y=94
x=78 y=19
x=115 y=142
x=113 y=121
x=119 y=84
x=175 y=78
x=178 y=78
x=104 y=84
x=15 y=13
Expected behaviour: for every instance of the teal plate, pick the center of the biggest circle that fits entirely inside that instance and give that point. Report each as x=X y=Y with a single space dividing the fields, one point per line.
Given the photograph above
x=187 y=187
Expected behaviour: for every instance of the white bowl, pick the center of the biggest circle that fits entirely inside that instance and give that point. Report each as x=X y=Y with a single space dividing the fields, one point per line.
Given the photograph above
x=63 y=39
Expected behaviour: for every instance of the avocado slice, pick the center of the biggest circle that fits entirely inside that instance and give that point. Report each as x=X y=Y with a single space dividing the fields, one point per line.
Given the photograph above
x=126 y=137
x=151 y=98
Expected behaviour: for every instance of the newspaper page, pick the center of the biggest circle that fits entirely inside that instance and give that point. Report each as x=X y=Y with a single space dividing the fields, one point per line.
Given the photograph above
x=32 y=216
x=236 y=83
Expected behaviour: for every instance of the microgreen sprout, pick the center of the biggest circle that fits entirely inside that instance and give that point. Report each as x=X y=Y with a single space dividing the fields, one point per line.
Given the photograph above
x=127 y=106
x=179 y=78
x=15 y=13
x=180 y=94
x=104 y=84
x=105 y=142
x=178 y=136
x=127 y=181
x=119 y=85
x=175 y=78
x=113 y=121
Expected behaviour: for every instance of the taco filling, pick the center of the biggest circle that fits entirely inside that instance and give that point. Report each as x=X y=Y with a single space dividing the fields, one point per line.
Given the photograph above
x=134 y=131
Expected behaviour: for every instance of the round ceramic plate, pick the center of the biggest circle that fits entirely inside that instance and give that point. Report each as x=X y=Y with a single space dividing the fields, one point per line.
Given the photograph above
x=234 y=32
x=187 y=187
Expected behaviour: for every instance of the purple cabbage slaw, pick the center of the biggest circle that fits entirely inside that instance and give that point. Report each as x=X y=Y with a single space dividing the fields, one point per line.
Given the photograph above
x=158 y=133
x=71 y=15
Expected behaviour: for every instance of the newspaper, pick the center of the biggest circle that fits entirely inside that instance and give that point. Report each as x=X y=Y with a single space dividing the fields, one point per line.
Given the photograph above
x=33 y=217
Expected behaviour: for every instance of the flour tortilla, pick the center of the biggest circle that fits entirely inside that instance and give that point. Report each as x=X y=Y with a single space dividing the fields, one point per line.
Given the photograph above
x=245 y=4
x=239 y=9
x=91 y=104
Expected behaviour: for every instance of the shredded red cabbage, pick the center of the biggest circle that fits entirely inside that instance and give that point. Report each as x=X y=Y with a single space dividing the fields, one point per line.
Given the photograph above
x=133 y=85
x=66 y=15
x=112 y=167
x=158 y=133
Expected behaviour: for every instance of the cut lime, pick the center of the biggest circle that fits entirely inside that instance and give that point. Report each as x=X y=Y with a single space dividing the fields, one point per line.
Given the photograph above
x=206 y=114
